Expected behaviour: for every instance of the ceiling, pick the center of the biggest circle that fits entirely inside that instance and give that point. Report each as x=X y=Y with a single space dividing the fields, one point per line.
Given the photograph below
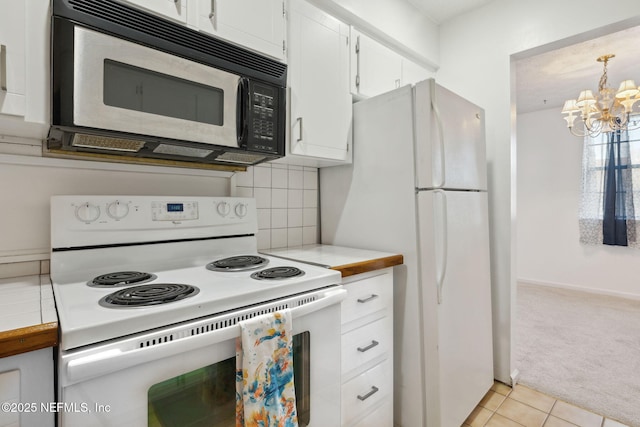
x=546 y=80
x=442 y=10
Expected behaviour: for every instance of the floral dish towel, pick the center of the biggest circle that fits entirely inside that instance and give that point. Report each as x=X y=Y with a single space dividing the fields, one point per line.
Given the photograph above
x=265 y=394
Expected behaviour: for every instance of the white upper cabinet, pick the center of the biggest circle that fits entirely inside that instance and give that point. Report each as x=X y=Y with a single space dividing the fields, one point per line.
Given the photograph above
x=24 y=68
x=320 y=100
x=256 y=24
x=375 y=68
x=175 y=10
x=12 y=57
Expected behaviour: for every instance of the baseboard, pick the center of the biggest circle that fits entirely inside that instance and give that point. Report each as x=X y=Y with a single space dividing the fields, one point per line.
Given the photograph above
x=515 y=377
x=596 y=291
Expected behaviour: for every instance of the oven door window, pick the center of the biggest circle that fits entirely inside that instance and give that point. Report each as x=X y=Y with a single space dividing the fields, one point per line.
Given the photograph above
x=139 y=89
x=206 y=396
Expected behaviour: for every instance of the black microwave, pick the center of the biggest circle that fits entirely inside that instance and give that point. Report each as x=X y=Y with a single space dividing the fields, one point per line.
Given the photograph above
x=126 y=83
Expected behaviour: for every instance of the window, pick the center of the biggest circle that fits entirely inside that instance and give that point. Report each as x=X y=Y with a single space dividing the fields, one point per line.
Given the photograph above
x=611 y=189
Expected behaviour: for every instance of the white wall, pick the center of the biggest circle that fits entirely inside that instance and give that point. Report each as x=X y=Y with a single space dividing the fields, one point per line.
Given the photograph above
x=549 y=252
x=475 y=61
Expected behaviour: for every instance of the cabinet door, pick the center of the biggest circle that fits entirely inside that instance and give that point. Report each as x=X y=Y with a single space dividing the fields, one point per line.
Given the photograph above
x=375 y=68
x=176 y=10
x=12 y=57
x=319 y=84
x=256 y=24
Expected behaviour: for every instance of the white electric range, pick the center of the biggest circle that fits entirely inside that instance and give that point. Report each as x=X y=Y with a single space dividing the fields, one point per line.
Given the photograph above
x=149 y=291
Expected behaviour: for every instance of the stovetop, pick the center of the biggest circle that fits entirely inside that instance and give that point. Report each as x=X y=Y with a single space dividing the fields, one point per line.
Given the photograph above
x=83 y=320
x=174 y=240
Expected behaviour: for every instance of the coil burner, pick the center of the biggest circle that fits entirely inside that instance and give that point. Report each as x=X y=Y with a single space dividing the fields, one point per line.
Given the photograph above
x=278 y=273
x=148 y=295
x=238 y=263
x=121 y=278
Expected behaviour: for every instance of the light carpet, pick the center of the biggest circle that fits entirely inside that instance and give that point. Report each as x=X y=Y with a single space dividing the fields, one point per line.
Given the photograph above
x=582 y=348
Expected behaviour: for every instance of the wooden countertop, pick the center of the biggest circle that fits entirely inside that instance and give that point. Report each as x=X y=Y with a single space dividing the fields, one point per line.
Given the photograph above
x=28 y=319
x=348 y=261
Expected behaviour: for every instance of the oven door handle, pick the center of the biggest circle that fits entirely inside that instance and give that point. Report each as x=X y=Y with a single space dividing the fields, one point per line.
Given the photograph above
x=113 y=360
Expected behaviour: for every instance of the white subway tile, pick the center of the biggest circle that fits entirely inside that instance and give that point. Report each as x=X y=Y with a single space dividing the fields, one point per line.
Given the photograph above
x=264 y=218
x=264 y=239
x=310 y=199
x=295 y=218
x=278 y=218
x=262 y=177
x=263 y=197
x=294 y=236
x=279 y=178
x=296 y=179
x=309 y=217
x=310 y=180
x=278 y=198
x=279 y=238
x=309 y=235
x=295 y=199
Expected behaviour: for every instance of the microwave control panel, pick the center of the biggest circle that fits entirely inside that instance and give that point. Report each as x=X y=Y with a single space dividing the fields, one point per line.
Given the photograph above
x=264 y=112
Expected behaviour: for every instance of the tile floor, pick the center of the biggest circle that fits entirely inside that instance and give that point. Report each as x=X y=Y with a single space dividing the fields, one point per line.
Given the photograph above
x=521 y=406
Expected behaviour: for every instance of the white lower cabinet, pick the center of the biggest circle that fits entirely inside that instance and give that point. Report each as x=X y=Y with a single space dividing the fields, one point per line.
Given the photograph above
x=26 y=389
x=367 y=350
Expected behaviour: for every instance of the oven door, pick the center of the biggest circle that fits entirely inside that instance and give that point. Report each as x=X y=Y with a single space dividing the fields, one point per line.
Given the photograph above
x=185 y=374
x=123 y=86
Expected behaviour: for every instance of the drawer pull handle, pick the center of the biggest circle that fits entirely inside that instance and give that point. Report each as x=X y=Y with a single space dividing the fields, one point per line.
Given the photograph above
x=373 y=391
x=363 y=300
x=369 y=347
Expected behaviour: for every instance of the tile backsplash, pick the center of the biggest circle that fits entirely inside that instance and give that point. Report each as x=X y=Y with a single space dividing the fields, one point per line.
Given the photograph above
x=287 y=202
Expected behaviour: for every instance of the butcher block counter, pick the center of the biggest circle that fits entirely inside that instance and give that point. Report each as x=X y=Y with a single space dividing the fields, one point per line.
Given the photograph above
x=348 y=261
x=28 y=319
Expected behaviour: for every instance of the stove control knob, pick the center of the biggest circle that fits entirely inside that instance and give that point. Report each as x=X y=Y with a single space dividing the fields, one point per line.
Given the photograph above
x=87 y=212
x=223 y=208
x=241 y=209
x=117 y=210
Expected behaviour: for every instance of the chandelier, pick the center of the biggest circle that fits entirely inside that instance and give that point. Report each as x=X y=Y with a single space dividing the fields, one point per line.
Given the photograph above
x=607 y=111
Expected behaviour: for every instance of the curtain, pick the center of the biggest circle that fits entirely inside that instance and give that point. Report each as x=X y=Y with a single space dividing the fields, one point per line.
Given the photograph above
x=607 y=214
x=618 y=192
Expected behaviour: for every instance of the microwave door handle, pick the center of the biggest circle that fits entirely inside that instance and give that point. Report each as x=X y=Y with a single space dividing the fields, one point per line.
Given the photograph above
x=242 y=111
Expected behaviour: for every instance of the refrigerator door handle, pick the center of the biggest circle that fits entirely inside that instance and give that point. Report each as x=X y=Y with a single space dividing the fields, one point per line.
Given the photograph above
x=436 y=111
x=444 y=246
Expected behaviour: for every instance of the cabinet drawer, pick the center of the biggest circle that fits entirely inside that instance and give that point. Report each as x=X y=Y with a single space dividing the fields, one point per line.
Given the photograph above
x=367 y=296
x=367 y=343
x=380 y=417
x=364 y=393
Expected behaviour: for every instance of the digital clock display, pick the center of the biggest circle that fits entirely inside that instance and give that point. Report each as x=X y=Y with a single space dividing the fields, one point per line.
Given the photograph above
x=175 y=207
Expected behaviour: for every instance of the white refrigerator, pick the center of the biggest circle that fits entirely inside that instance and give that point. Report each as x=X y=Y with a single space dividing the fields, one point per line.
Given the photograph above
x=418 y=186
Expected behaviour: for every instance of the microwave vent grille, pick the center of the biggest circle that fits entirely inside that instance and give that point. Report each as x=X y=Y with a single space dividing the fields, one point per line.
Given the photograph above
x=106 y=143
x=241 y=158
x=142 y=22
